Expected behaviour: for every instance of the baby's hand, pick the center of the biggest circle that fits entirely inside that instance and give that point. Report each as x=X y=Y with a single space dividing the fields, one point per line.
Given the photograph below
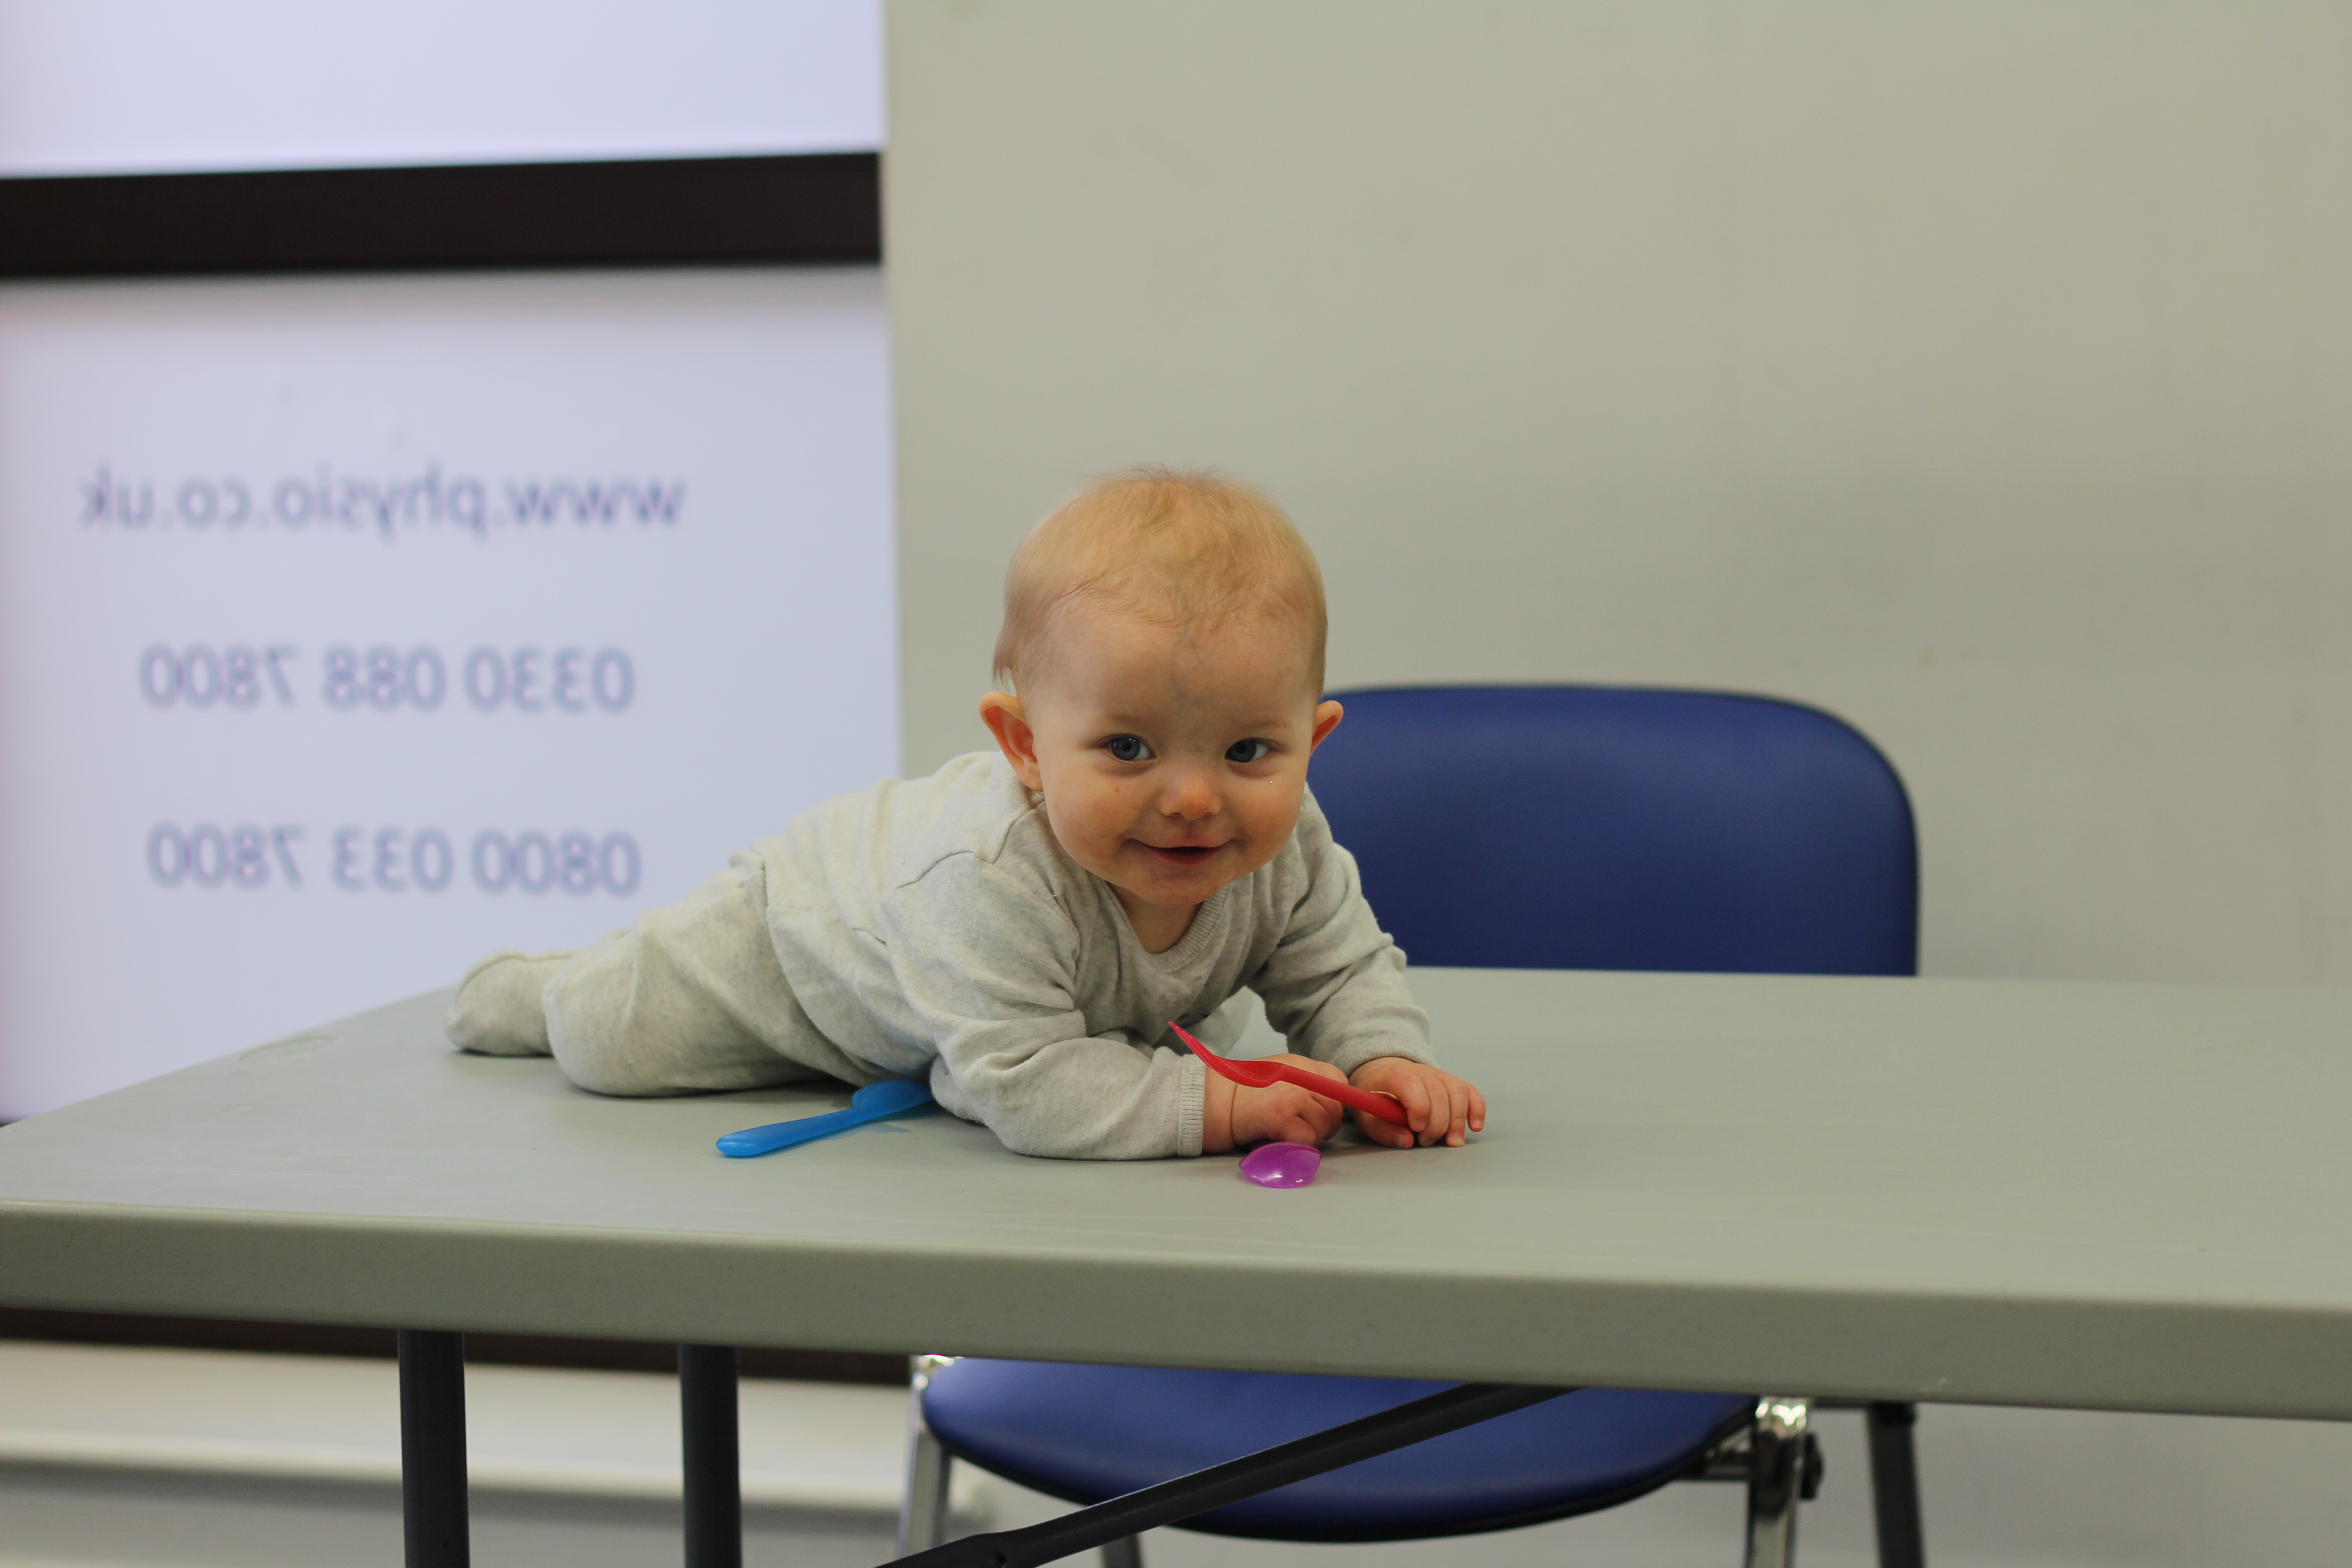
x=1437 y=1105
x=1236 y=1114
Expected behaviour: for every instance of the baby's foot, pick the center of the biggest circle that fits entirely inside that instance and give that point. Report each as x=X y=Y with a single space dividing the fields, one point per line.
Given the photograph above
x=498 y=1012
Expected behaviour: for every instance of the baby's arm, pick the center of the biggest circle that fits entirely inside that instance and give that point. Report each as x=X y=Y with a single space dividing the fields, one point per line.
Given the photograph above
x=1051 y=1091
x=987 y=962
x=1335 y=986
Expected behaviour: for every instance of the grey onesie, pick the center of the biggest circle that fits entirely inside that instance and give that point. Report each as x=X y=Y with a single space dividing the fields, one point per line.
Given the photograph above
x=935 y=926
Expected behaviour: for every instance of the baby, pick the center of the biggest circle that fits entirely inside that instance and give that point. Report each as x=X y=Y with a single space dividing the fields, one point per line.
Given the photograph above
x=1020 y=926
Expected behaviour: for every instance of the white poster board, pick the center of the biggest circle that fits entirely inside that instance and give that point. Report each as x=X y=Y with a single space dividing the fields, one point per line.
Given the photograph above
x=350 y=628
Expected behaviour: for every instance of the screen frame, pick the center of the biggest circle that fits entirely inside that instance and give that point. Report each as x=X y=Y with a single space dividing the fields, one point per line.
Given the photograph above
x=810 y=207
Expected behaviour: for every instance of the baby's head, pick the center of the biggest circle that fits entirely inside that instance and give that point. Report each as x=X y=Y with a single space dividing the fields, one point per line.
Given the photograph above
x=1162 y=654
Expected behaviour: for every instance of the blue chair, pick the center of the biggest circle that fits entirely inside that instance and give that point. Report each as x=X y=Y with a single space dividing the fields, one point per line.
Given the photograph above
x=1567 y=828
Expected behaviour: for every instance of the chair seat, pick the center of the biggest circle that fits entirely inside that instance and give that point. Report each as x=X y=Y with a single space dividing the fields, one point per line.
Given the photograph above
x=1089 y=1432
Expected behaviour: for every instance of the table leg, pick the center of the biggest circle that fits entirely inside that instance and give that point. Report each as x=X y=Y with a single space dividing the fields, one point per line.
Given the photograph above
x=1894 y=1485
x=714 y=1472
x=433 y=1449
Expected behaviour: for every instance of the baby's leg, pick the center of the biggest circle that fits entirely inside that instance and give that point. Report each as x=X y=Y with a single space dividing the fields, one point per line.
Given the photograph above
x=691 y=998
x=498 y=1012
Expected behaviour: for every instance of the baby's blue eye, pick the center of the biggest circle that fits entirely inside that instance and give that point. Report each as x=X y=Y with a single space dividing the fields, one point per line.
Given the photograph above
x=1126 y=748
x=1248 y=751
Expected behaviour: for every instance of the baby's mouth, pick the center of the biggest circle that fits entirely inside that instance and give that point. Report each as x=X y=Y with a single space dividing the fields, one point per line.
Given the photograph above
x=1184 y=854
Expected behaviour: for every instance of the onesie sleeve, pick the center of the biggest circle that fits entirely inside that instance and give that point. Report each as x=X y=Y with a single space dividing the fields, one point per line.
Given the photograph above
x=1334 y=986
x=987 y=959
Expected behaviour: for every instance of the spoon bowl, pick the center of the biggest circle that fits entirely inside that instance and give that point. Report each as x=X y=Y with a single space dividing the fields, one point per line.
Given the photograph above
x=1282 y=1165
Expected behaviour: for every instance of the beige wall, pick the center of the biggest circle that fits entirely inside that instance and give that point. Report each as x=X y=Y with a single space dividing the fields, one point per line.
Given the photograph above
x=1982 y=373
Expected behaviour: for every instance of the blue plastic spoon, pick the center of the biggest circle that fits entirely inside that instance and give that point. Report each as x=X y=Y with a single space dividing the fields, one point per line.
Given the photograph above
x=872 y=1103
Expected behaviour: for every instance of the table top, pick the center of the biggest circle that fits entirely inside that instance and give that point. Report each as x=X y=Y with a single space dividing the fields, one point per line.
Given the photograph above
x=2133 y=1197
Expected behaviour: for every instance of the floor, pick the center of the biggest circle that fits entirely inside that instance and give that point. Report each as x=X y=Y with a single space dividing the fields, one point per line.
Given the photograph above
x=132 y=1458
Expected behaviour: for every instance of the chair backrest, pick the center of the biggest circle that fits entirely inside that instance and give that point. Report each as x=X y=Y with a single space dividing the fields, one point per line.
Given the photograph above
x=1600 y=828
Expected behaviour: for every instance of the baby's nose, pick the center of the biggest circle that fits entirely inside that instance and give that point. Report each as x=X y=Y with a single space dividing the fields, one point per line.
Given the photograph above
x=1192 y=792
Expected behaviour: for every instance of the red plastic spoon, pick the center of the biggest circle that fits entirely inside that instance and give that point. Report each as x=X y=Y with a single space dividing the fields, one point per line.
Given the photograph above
x=1259 y=1074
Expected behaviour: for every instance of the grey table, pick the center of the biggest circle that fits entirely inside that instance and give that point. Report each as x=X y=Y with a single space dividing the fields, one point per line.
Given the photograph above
x=2023 y=1192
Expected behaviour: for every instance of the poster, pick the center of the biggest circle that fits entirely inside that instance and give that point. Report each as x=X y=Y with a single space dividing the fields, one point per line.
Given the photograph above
x=352 y=628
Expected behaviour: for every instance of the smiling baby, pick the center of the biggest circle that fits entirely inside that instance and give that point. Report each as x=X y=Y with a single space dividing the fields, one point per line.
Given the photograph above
x=1020 y=926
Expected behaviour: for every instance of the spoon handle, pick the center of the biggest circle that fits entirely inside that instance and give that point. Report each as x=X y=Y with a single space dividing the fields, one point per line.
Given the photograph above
x=1387 y=1106
x=778 y=1135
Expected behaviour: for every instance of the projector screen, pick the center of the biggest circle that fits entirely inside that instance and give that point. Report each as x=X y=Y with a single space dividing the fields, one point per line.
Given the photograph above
x=350 y=628
x=110 y=87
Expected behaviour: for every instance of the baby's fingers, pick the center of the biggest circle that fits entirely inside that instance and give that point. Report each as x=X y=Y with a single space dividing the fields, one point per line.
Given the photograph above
x=1295 y=1117
x=1412 y=1093
x=1443 y=1125
x=1457 y=1111
x=1379 y=1130
x=1323 y=1115
x=1298 y=1129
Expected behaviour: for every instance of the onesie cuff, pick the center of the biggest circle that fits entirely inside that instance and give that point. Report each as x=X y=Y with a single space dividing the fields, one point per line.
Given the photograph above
x=1191 y=1101
x=1354 y=1052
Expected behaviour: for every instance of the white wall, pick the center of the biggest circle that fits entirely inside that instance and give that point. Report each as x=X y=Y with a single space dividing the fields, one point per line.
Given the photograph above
x=1983 y=374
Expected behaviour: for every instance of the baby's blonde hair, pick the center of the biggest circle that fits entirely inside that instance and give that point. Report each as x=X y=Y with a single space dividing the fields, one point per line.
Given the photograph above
x=1186 y=547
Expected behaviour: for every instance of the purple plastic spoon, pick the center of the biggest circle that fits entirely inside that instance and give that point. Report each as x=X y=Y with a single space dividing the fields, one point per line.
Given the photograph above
x=1282 y=1165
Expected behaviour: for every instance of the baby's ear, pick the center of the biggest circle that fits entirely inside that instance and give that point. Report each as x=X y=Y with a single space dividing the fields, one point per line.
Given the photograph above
x=1001 y=711
x=1327 y=719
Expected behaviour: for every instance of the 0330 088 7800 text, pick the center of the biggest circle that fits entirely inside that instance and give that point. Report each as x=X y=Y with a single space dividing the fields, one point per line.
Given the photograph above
x=242 y=677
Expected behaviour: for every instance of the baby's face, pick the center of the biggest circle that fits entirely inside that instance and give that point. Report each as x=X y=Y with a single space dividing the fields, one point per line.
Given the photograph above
x=1171 y=763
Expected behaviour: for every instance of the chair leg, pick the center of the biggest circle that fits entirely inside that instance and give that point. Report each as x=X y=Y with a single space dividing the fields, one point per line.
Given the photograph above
x=923 y=1512
x=1127 y=1552
x=1776 y=1480
x=1894 y=1485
